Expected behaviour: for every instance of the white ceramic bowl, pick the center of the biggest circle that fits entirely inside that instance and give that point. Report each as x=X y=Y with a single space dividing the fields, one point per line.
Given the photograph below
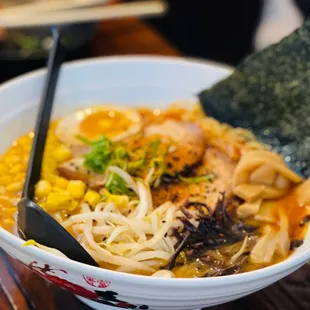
x=130 y=81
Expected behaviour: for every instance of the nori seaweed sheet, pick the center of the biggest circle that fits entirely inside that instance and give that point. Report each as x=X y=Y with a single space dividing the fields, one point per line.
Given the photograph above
x=269 y=93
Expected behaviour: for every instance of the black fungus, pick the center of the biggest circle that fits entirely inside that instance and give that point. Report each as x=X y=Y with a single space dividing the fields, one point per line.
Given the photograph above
x=168 y=179
x=187 y=171
x=304 y=221
x=211 y=231
x=175 y=197
x=296 y=244
x=186 y=212
x=179 y=249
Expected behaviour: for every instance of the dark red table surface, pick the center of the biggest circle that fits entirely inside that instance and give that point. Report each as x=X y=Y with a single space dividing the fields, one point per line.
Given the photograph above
x=20 y=289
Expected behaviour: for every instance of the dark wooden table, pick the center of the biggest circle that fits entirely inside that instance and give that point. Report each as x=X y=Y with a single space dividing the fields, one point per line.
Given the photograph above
x=22 y=290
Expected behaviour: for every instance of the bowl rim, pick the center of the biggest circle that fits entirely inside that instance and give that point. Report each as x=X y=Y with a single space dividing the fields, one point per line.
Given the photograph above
x=76 y=267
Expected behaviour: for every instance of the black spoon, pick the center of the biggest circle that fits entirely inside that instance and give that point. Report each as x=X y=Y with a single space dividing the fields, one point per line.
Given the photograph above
x=33 y=222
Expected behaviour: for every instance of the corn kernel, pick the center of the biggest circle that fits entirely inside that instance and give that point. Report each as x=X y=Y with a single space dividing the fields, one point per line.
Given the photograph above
x=120 y=200
x=76 y=189
x=27 y=148
x=61 y=183
x=49 y=163
x=49 y=177
x=25 y=160
x=12 y=159
x=42 y=205
x=14 y=187
x=62 y=153
x=17 y=168
x=20 y=176
x=5 y=180
x=58 y=201
x=5 y=201
x=92 y=198
x=74 y=205
x=8 y=221
x=3 y=168
x=43 y=188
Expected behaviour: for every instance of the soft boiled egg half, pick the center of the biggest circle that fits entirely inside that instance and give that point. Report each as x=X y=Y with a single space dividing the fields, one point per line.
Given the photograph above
x=114 y=122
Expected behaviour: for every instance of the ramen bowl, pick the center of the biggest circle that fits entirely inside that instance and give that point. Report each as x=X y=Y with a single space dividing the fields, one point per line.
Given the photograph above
x=131 y=81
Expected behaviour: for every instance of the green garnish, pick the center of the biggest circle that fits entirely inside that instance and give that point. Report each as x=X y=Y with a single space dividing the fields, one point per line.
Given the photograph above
x=100 y=156
x=116 y=185
x=120 y=157
x=120 y=153
x=153 y=147
x=157 y=160
x=84 y=140
x=135 y=166
x=198 y=179
x=105 y=153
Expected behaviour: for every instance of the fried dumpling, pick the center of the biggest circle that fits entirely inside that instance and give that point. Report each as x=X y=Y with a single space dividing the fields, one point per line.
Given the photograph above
x=263 y=175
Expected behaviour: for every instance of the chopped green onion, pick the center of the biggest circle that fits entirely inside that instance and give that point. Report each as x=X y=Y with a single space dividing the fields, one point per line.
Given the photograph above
x=116 y=185
x=84 y=140
x=198 y=179
x=104 y=153
x=100 y=156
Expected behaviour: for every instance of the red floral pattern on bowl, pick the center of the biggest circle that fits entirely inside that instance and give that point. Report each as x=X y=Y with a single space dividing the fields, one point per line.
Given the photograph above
x=96 y=283
x=105 y=297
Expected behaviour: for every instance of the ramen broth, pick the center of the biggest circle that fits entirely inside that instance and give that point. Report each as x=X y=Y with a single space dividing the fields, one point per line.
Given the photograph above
x=165 y=190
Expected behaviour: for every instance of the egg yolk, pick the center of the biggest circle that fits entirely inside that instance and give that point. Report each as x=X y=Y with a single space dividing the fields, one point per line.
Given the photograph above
x=109 y=123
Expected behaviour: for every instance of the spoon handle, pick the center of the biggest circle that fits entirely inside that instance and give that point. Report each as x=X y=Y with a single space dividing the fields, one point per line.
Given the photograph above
x=55 y=59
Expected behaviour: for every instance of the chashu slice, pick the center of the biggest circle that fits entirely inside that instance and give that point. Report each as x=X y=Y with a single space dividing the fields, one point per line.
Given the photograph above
x=74 y=169
x=208 y=192
x=188 y=143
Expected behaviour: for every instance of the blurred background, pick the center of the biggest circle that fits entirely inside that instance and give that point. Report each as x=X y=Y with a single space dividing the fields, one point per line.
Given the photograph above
x=218 y=30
